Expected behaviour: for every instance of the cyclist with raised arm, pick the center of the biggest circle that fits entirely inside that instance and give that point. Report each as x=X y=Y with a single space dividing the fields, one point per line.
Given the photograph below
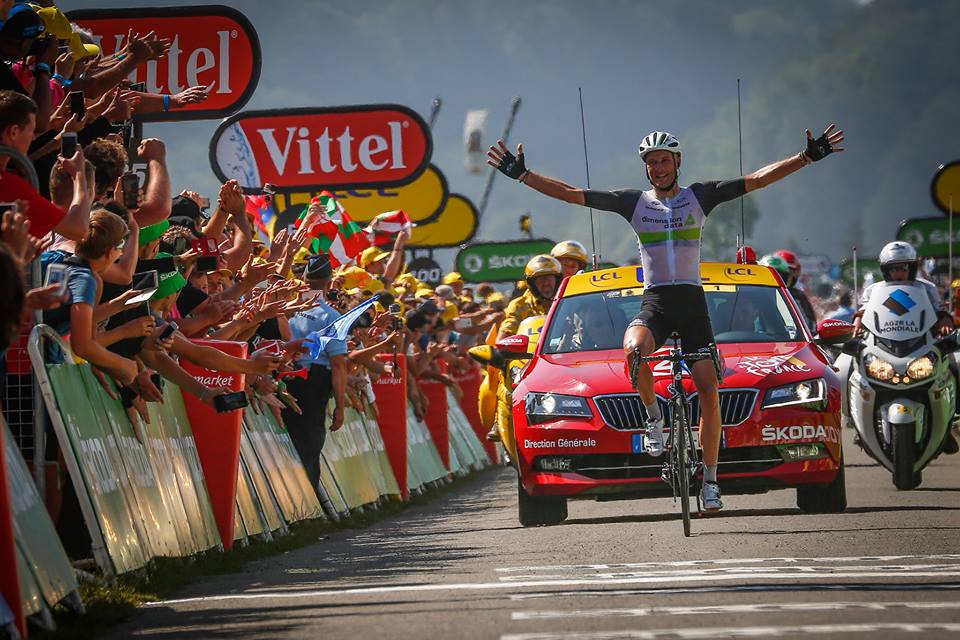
x=668 y=221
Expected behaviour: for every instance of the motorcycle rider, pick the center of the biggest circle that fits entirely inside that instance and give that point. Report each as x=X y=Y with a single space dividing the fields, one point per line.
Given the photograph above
x=572 y=256
x=793 y=285
x=899 y=263
x=669 y=221
x=542 y=274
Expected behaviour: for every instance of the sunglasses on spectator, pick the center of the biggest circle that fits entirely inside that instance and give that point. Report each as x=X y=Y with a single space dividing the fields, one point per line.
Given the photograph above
x=120 y=245
x=898 y=267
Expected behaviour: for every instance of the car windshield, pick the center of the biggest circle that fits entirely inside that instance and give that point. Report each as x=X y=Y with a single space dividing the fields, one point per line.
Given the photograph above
x=738 y=313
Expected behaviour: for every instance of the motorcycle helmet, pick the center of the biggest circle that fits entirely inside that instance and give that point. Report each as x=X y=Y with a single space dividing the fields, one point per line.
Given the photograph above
x=542 y=265
x=793 y=262
x=660 y=141
x=898 y=253
x=778 y=264
x=572 y=250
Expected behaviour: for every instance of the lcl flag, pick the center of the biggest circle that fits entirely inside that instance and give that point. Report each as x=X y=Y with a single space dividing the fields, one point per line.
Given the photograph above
x=474 y=131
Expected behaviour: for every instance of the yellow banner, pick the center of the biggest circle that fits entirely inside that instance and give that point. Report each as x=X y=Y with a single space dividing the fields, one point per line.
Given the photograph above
x=456 y=224
x=423 y=200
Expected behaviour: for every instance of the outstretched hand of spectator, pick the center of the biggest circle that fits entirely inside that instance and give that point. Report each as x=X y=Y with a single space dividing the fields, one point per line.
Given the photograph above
x=143 y=383
x=191 y=95
x=263 y=361
x=105 y=382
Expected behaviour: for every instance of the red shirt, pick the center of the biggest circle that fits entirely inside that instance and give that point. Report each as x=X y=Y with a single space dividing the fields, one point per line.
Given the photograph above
x=42 y=214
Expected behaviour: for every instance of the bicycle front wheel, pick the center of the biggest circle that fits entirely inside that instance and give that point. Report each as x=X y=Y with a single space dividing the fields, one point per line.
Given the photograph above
x=683 y=467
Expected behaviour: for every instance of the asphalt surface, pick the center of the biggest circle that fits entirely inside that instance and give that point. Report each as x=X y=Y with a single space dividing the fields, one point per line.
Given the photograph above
x=462 y=567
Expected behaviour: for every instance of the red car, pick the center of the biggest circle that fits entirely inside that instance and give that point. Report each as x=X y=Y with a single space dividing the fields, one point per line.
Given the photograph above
x=579 y=424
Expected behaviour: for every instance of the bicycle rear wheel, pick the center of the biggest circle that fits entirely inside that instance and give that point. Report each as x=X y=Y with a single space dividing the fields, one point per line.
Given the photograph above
x=683 y=466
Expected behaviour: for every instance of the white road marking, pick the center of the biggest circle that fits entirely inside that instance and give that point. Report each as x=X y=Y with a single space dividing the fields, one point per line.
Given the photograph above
x=742 y=632
x=721 y=561
x=762 y=570
x=771 y=607
x=736 y=588
x=339 y=593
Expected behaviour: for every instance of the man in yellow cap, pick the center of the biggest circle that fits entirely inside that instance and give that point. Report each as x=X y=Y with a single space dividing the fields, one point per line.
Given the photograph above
x=542 y=275
x=455 y=280
x=382 y=264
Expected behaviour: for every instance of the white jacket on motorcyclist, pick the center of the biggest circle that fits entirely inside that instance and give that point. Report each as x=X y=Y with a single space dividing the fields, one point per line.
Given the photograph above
x=899 y=263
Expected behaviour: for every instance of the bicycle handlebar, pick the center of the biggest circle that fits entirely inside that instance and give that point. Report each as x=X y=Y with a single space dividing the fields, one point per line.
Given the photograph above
x=678 y=357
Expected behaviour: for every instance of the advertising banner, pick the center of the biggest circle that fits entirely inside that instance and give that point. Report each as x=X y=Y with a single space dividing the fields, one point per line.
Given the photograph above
x=391 y=401
x=945 y=188
x=254 y=471
x=345 y=451
x=422 y=454
x=422 y=200
x=174 y=428
x=469 y=404
x=868 y=270
x=217 y=436
x=499 y=261
x=436 y=418
x=249 y=509
x=9 y=573
x=35 y=534
x=455 y=225
x=348 y=147
x=156 y=525
x=96 y=474
x=304 y=499
x=931 y=236
x=463 y=439
x=213 y=45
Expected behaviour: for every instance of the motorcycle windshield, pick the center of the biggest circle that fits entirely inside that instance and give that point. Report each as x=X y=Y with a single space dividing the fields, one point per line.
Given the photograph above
x=899 y=312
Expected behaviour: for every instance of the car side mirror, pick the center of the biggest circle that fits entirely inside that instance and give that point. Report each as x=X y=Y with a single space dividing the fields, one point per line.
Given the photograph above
x=515 y=347
x=833 y=332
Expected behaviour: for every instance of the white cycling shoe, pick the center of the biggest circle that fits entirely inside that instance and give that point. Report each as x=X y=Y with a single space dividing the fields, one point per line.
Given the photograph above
x=710 y=497
x=654 y=437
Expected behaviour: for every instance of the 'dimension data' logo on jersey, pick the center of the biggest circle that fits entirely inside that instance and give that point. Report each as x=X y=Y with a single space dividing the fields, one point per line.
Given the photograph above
x=899 y=302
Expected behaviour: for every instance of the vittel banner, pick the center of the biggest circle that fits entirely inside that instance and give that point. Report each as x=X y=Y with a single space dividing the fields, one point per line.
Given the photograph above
x=212 y=45
x=348 y=147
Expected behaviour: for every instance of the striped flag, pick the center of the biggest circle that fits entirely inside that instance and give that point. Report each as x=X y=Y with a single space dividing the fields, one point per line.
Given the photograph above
x=383 y=229
x=336 y=234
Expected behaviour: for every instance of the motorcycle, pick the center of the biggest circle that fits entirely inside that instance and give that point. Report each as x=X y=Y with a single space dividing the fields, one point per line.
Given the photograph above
x=901 y=391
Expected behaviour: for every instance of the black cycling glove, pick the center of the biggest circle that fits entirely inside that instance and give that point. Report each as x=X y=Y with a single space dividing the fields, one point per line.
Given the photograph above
x=819 y=148
x=512 y=166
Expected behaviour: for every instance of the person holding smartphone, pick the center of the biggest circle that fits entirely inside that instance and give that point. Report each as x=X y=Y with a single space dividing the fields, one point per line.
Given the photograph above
x=18 y=119
x=96 y=251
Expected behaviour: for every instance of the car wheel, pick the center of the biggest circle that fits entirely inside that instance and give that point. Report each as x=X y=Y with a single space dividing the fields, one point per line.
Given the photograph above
x=540 y=511
x=829 y=499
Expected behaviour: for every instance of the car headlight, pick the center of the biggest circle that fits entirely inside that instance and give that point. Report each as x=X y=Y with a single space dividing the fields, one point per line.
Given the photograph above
x=878 y=368
x=805 y=392
x=543 y=407
x=922 y=367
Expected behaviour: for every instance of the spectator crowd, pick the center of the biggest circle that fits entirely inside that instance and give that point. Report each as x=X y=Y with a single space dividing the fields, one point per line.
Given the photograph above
x=137 y=274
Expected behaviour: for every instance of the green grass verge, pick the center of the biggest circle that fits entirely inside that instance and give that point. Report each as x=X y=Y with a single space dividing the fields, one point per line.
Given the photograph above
x=108 y=605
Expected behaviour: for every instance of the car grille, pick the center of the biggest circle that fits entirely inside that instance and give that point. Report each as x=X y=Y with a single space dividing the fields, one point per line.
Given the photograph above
x=625 y=412
x=626 y=466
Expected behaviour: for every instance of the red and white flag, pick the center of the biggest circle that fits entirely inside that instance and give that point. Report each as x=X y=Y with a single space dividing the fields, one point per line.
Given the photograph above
x=336 y=234
x=383 y=229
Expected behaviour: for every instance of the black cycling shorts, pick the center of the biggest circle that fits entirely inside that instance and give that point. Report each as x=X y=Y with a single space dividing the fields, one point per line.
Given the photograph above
x=677 y=307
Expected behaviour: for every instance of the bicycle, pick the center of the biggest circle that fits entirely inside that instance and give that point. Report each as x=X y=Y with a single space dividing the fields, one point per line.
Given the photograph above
x=683 y=459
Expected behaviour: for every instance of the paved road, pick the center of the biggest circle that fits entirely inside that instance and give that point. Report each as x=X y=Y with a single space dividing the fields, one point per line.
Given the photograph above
x=463 y=568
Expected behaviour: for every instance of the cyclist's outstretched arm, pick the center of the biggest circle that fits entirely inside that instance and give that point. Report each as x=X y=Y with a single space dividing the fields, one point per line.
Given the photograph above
x=817 y=149
x=513 y=166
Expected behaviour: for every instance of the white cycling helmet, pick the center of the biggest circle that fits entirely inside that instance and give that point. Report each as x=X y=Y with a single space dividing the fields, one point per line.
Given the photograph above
x=659 y=141
x=898 y=252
